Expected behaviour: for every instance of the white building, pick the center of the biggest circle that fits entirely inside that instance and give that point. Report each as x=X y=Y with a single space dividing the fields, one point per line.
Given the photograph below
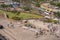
x=1 y=1
x=8 y=2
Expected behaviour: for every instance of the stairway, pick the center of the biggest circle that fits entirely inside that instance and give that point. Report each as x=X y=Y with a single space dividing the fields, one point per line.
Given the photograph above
x=8 y=33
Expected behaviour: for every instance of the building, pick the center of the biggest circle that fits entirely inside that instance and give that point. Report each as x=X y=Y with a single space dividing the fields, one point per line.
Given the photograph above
x=5 y=1
x=8 y=2
x=1 y=2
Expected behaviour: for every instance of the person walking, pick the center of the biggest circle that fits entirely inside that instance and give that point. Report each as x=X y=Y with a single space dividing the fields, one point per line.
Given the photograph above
x=39 y=32
x=36 y=35
x=11 y=25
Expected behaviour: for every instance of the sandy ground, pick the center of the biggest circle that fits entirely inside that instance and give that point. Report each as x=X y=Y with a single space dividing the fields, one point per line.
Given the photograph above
x=19 y=33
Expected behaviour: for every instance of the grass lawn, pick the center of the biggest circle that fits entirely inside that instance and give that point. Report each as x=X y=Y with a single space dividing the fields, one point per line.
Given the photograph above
x=1 y=12
x=22 y=15
x=28 y=15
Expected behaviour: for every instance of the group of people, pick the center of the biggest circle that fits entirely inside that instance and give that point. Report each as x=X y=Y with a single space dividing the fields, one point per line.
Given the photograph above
x=40 y=32
x=52 y=30
x=10 y=24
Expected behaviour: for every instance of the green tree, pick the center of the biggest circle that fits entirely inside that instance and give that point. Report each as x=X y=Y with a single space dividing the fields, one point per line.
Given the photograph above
x=58 y=4
x=4 y=5
x=16 y=0
x=26 y=8
x=57 y=14
x=52 y=3
x=37 y=4
x=16 y=18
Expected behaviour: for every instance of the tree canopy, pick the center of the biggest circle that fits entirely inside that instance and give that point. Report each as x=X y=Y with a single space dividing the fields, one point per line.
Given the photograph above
x=57 y=14
x=58 y=4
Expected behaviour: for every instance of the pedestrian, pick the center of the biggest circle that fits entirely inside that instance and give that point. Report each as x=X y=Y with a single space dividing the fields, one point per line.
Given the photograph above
x=40 y=31
x=11 y=24
x=8 y=25
x=50 y=28
x=54 y=29
x=37 y=34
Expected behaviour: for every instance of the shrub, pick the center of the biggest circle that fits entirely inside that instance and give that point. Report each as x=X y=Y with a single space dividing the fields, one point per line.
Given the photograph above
x=26 y=8
x=16 y=18
x=57 y=14
x=58 y=4
x=29 y=25
x=15 y=11
x=55 y=21
x=5 y=6
x=49 y=20
x=7 y=16
x=10 y=5
x=52 y=3
x=37 y=4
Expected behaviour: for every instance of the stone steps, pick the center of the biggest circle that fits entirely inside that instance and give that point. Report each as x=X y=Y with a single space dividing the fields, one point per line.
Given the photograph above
x=6 y=35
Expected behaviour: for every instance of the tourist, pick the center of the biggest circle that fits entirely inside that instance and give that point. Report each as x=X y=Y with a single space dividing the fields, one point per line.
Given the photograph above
x=50 y=27
x=37 y=34
x=41 y=31
x=11 y=24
